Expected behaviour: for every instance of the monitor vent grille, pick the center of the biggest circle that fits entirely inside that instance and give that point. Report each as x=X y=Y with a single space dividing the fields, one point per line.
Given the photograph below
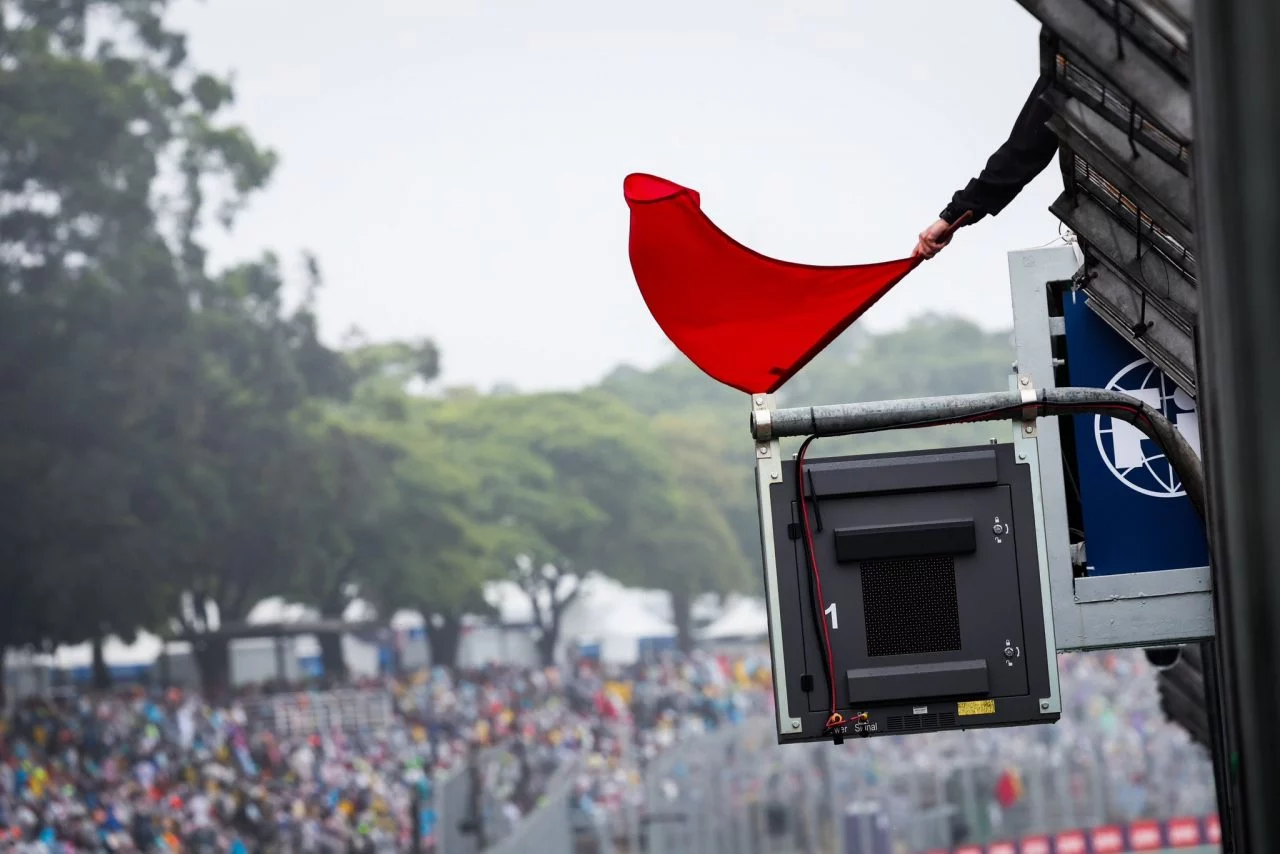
x=910 y=606
x=921 y=723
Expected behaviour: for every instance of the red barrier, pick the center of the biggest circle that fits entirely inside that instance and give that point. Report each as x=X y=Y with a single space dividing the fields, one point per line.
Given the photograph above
x=1107 y=840
x=1146 y=835
x=1071 y=842
x=1184 y=833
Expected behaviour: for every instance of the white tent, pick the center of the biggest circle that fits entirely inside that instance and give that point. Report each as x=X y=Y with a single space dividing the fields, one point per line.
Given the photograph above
x=744 y=619
x=511 y=603
x=274 y=610
x=614 y=617
x=116 y=653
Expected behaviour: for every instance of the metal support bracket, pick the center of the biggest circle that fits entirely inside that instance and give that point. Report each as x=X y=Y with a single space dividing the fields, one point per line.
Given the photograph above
x=1028 y=454
x=1027 y=388
x=768 y=473
x=1107 y=612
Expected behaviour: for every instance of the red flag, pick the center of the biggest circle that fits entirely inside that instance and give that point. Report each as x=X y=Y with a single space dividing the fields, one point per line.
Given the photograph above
x=1009 y=788
x=747 y=320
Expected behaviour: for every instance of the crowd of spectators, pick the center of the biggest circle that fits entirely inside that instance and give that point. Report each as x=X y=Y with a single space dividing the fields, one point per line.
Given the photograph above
x=166 y=772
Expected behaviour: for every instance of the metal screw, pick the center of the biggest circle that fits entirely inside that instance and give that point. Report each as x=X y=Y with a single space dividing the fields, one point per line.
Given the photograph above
x=1025 y=380
x=1028 y=429
x=773 y=474
x=1022 y=456
x=997 y=529
x=795 y=725
x=763 y=450
x=759 y=401
x=1044 y=707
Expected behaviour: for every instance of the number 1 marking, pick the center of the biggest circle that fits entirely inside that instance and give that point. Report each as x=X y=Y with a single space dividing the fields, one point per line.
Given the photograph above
x=831 y=609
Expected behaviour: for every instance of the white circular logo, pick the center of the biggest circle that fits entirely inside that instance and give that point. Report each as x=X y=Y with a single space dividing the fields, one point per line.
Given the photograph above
x=1137 y=461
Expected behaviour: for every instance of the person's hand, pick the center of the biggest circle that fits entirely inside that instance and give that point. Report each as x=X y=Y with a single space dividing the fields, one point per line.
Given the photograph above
x=934 y=238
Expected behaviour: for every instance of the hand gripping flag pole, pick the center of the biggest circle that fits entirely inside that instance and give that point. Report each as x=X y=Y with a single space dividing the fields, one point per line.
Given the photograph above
x=747 y=320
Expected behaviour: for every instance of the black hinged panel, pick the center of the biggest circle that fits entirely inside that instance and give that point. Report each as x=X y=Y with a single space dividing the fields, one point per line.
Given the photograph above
x=919 y=681
x=931 y=594
x=908 y=539
x=920 y=609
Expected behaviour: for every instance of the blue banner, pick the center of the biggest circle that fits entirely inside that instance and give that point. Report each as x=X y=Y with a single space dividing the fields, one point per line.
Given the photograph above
x=1137 y=517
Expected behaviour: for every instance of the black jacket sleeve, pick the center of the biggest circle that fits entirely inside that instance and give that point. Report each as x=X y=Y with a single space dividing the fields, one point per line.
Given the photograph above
x=1028 y=150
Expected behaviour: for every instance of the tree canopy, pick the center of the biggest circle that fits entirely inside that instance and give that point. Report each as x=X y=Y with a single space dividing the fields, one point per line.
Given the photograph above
x=177 y=442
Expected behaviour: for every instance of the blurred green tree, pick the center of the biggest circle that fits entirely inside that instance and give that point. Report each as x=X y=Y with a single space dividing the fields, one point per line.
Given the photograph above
x=149 y=409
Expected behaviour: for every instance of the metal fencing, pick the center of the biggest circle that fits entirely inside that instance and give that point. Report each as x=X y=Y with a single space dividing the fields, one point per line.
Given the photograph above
x=738 y=791
x=308 y=712
x=470 y=805
x=1047 y=791
x=455 y=828
x=550 y=827
x=735 y=791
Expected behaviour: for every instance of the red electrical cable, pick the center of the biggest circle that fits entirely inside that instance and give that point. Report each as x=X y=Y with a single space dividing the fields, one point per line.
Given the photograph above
x=829 y=659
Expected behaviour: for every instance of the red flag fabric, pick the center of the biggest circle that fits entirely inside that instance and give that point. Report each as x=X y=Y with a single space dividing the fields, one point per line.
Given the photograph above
x=1009 y=788
x=745 y=319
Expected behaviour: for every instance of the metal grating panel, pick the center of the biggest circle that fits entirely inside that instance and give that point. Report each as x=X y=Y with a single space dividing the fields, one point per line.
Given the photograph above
x=910 y=606
x=1075 y=77
x=1145 y=230
x=1152 y=30
x=921 y=723
x=1122 y=114
x=1120 y=47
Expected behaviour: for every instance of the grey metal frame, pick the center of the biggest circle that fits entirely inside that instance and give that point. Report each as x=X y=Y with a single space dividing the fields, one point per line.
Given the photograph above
x=769 y=471
x=1026 y=446
x=1139 y=609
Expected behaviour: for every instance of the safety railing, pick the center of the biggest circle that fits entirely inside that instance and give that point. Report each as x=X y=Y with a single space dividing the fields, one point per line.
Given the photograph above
x=306 y=713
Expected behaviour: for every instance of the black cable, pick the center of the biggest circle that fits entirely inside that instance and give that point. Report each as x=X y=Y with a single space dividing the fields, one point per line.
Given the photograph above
x=811 y=564
x=804 y=547
x=817 y=508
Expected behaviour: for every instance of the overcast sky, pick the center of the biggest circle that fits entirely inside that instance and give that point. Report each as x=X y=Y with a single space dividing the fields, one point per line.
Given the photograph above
x=457 y=167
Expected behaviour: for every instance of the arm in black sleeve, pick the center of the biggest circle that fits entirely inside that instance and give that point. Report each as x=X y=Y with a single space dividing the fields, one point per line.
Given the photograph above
x=1028 y=150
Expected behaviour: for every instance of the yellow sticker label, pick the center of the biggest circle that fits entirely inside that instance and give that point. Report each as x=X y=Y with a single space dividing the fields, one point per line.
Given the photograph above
x=976 y=707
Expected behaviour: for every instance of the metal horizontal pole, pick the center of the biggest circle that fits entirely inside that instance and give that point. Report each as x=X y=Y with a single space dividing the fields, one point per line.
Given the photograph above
x=843 y=418
x=1026 y=404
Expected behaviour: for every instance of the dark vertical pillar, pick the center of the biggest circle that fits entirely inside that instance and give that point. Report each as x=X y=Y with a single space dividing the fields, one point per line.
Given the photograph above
x=282 y=668
x=1237 y=103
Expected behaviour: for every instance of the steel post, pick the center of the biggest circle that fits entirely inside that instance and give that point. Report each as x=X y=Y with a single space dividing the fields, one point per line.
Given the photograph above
x=1237 y=124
